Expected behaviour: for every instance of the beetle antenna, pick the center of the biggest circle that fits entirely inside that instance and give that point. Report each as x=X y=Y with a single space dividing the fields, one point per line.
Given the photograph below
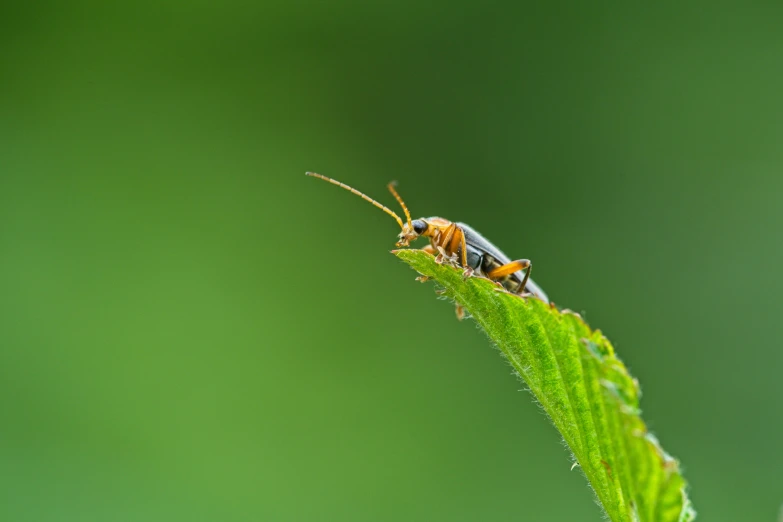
x=363 y=196
x=390 y=186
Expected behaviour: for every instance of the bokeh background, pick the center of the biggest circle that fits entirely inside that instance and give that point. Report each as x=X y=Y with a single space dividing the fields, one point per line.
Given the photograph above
x=191 y=329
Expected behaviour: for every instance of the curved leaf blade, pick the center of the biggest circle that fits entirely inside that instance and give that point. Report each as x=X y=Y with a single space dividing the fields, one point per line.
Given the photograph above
x=585 y=389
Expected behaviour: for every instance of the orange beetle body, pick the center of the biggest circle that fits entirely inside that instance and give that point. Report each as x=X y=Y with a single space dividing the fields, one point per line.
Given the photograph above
x=460 y=244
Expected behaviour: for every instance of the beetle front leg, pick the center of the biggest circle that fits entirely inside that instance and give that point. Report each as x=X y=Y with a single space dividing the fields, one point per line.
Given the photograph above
x=430 y=250
x=439 y=252
x=442 y=243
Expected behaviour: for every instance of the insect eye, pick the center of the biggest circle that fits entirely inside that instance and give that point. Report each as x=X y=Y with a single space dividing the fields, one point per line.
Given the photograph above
x=419 y=226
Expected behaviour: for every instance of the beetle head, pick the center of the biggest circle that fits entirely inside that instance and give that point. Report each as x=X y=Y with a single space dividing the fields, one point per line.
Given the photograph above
x=411 y=231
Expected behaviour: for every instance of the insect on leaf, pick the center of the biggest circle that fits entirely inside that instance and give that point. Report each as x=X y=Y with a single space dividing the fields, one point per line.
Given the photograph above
x=584 y=388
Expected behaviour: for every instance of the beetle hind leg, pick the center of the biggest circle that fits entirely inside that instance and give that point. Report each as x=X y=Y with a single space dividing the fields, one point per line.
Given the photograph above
x=510 y=268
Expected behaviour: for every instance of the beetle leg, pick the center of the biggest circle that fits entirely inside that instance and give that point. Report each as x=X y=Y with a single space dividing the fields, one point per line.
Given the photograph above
x=445 y=256
x=436 y=245
x=444 y=240
x=524 y=280
x=463 y=245
x=440 y=256
x=429 y=249
x=510 y=268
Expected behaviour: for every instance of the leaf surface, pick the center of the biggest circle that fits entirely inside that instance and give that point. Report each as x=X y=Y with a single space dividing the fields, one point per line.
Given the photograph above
x=585 y=389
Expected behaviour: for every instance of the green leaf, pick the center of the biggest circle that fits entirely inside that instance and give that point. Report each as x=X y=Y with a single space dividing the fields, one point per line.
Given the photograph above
x=584 y=388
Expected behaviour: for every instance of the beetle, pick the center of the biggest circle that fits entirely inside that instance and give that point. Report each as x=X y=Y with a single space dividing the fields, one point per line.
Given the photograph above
x=457 y=243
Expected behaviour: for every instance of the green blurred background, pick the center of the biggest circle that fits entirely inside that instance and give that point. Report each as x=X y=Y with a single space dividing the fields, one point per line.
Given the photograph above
x=191 y=329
